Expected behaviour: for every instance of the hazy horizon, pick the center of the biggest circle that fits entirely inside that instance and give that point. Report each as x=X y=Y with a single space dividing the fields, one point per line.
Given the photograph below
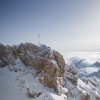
x=64 y=25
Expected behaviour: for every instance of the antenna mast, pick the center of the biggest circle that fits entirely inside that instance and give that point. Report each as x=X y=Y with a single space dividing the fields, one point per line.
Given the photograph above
x=38 y=39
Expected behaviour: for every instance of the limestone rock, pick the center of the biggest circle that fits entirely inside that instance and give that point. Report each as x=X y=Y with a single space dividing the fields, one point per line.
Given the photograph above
x=84 y=96
x=49 y=64
x=4 y=58
x=60 y=60
x=97 y=97
x=70 y=77
x=33 y=94
x=3 y=50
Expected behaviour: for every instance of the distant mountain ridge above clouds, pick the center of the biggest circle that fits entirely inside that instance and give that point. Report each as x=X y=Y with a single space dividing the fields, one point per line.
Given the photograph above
x=87 y=64
x=41 y=73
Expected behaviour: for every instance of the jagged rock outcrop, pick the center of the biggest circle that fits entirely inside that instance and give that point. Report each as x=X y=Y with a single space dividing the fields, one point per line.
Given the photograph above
x=60 y=60
x=48 y=64
x=97 y=97
x=84 y=96
x=43 y=61
x=3 y=50
x=70 y=75
x=33 y=94
x=6 y=55
x=90 y=80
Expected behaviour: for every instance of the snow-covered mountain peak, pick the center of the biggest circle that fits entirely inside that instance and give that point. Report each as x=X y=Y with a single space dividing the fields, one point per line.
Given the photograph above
x=35 y=72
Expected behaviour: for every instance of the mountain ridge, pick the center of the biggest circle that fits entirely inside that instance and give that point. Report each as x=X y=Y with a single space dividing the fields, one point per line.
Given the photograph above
x=45 y=67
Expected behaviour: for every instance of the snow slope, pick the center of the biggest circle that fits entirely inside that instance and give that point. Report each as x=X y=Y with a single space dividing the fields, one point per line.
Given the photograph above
x=16 y=78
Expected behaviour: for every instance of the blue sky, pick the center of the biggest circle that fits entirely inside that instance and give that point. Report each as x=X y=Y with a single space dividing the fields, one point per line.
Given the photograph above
x=69 y=25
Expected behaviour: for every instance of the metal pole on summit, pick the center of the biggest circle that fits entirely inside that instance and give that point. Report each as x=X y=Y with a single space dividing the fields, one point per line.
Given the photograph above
x=39 y=39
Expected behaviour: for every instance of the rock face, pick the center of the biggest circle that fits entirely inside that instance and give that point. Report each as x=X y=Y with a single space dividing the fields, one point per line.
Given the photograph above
x=70 y=75
x=85 y=96
x=48 y=64
x=60 y=60
x=6 y=55
x=3 y=50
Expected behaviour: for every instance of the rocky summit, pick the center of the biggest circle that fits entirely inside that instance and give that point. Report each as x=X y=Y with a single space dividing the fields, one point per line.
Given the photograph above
x=49 y=64
x=41 y=73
